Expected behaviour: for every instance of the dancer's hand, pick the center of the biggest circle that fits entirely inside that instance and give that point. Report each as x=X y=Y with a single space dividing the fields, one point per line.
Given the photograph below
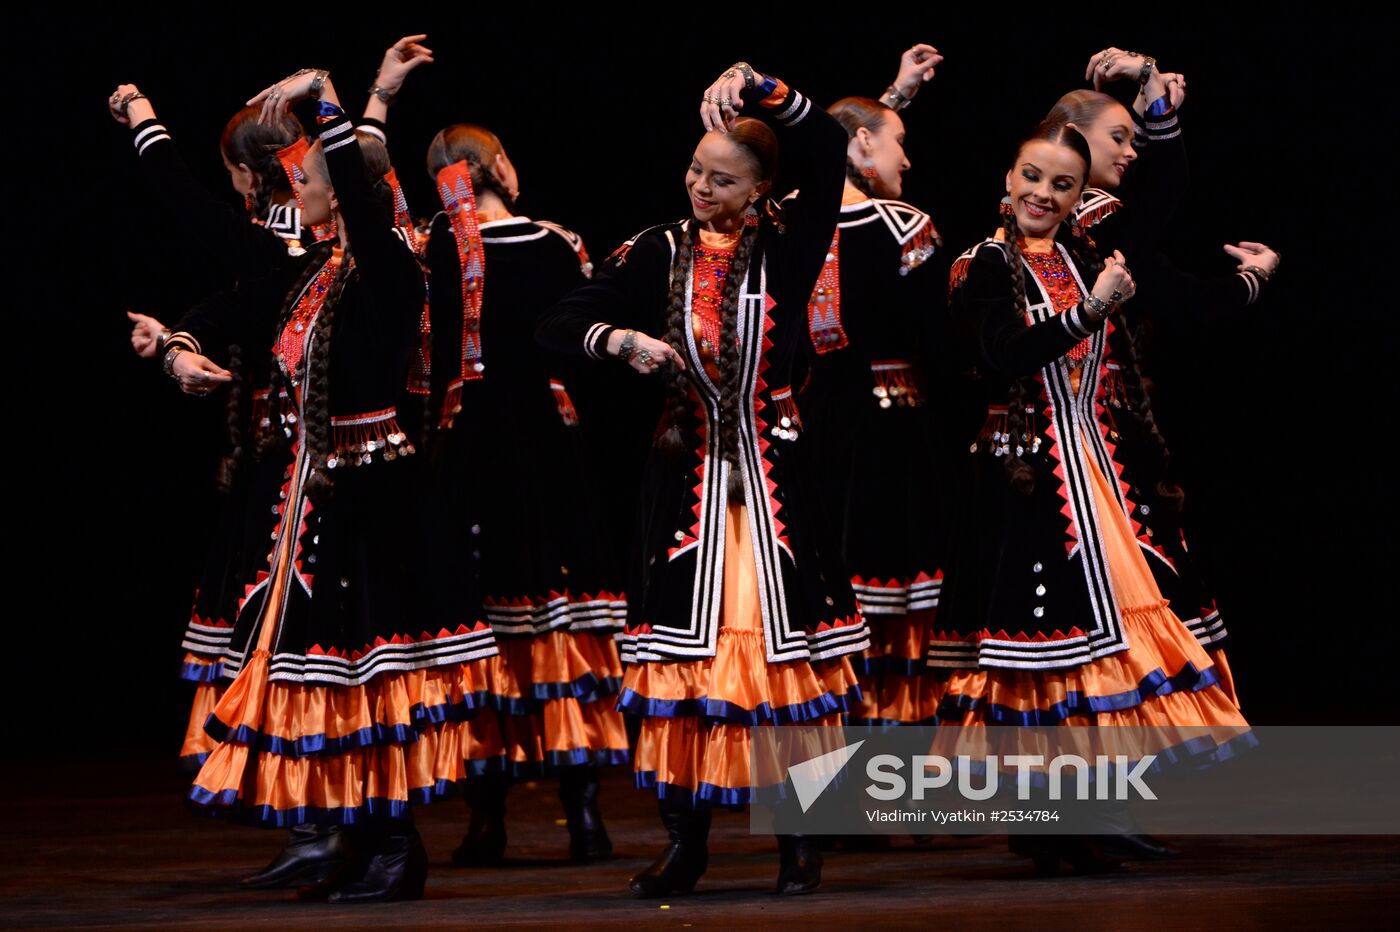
x=400 y=59
x=1113 y=64
x=135 y=110
x=916 y=67
x=1254 y=254
x=277 y=99
x=145 y=334
x=198 y=375
x=1115 y=283
x=1175 y=84
x=722 y=100
x=649 y=355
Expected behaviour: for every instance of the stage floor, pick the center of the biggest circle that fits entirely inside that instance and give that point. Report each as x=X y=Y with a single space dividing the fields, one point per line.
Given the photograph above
x=123 y=851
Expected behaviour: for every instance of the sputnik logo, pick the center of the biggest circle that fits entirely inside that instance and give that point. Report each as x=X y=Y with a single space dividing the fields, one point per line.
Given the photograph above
x=811 y=778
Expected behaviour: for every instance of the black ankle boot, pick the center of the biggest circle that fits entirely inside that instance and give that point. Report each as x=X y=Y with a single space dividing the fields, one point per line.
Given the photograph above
x=313 y=854
x=1123 y=838
x=1049 y=852
x=684 y=859
x=485 y=841
x=392 y=866
x=578 y=791
x=799 y=864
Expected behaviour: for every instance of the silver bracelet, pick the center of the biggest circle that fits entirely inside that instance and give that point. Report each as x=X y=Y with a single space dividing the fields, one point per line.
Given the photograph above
x=1263 y=275
x=628 y=347
x=386 y=96
x=168 y=363
x=1098 y=306
x=896 y=100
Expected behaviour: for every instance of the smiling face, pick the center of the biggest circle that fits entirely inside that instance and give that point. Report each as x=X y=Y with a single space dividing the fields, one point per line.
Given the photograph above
x=884 y=147
x=314 y=189
x=1110 y=138
x=1044 y=184
x=722 y=182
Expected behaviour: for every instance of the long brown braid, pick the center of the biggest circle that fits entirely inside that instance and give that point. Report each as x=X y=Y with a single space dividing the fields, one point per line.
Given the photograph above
x=672 y=440
x=233 y=422
x=730 y=360
x=1018 y=472
x=316 y=413
x=267 y=434
x=1140 y=408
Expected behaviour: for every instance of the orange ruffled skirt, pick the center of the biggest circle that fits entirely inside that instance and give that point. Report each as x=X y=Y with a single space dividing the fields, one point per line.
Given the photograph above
x=695 y=742
x=285 y=753
x=897 y=688
x=1165 y=679
x=551 y=705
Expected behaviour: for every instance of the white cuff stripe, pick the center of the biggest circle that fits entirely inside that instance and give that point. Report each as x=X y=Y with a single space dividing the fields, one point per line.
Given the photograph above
x=797 y=100
x=341 y=130
x=591 y=336
x=148 y=131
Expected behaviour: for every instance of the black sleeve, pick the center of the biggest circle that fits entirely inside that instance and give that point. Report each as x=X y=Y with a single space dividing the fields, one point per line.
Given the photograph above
x=1192 y=300
x=212 y=323
x=813 y=147
x=385 y=262
x=240 y=246
x=1152 y=190
x=628 y=291
x=1006 y=343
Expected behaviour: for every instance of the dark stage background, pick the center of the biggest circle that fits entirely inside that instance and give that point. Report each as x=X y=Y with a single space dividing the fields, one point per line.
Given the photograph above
x=1280 y=420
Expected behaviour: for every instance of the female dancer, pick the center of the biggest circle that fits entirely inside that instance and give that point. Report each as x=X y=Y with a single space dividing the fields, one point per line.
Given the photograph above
x=268 y=247
x=865 y=412
x=1052 y=609
x=1153 y=185
x=509 y=461
x=737 y=615
x=262 y=158
x=352 y=671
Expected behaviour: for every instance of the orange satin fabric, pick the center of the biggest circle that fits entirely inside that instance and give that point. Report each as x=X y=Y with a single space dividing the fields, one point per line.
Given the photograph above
x=292 y=711
x=561 y=725
x=1157 y=640
x=348 y=779
x=206 y=696
x=894 y=696
x=686 y=751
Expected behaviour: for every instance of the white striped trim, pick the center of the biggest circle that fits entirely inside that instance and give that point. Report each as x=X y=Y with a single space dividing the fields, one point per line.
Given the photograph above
x=331 y=138
x=590 y=337
x=149 y=135
x=374 y=131
x=1251 y=283
x=797 y=100
x=357 y=420
x=461 y=648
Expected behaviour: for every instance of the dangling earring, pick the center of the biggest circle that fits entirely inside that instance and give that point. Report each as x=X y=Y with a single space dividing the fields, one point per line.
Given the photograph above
x=248 y=201
x=867 y=170
x=751 y=216
x=1006 y=209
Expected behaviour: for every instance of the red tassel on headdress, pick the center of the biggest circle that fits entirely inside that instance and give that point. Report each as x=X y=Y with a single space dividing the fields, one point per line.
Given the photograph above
x=403 y=220
x=459 y=199
x=291 y=158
